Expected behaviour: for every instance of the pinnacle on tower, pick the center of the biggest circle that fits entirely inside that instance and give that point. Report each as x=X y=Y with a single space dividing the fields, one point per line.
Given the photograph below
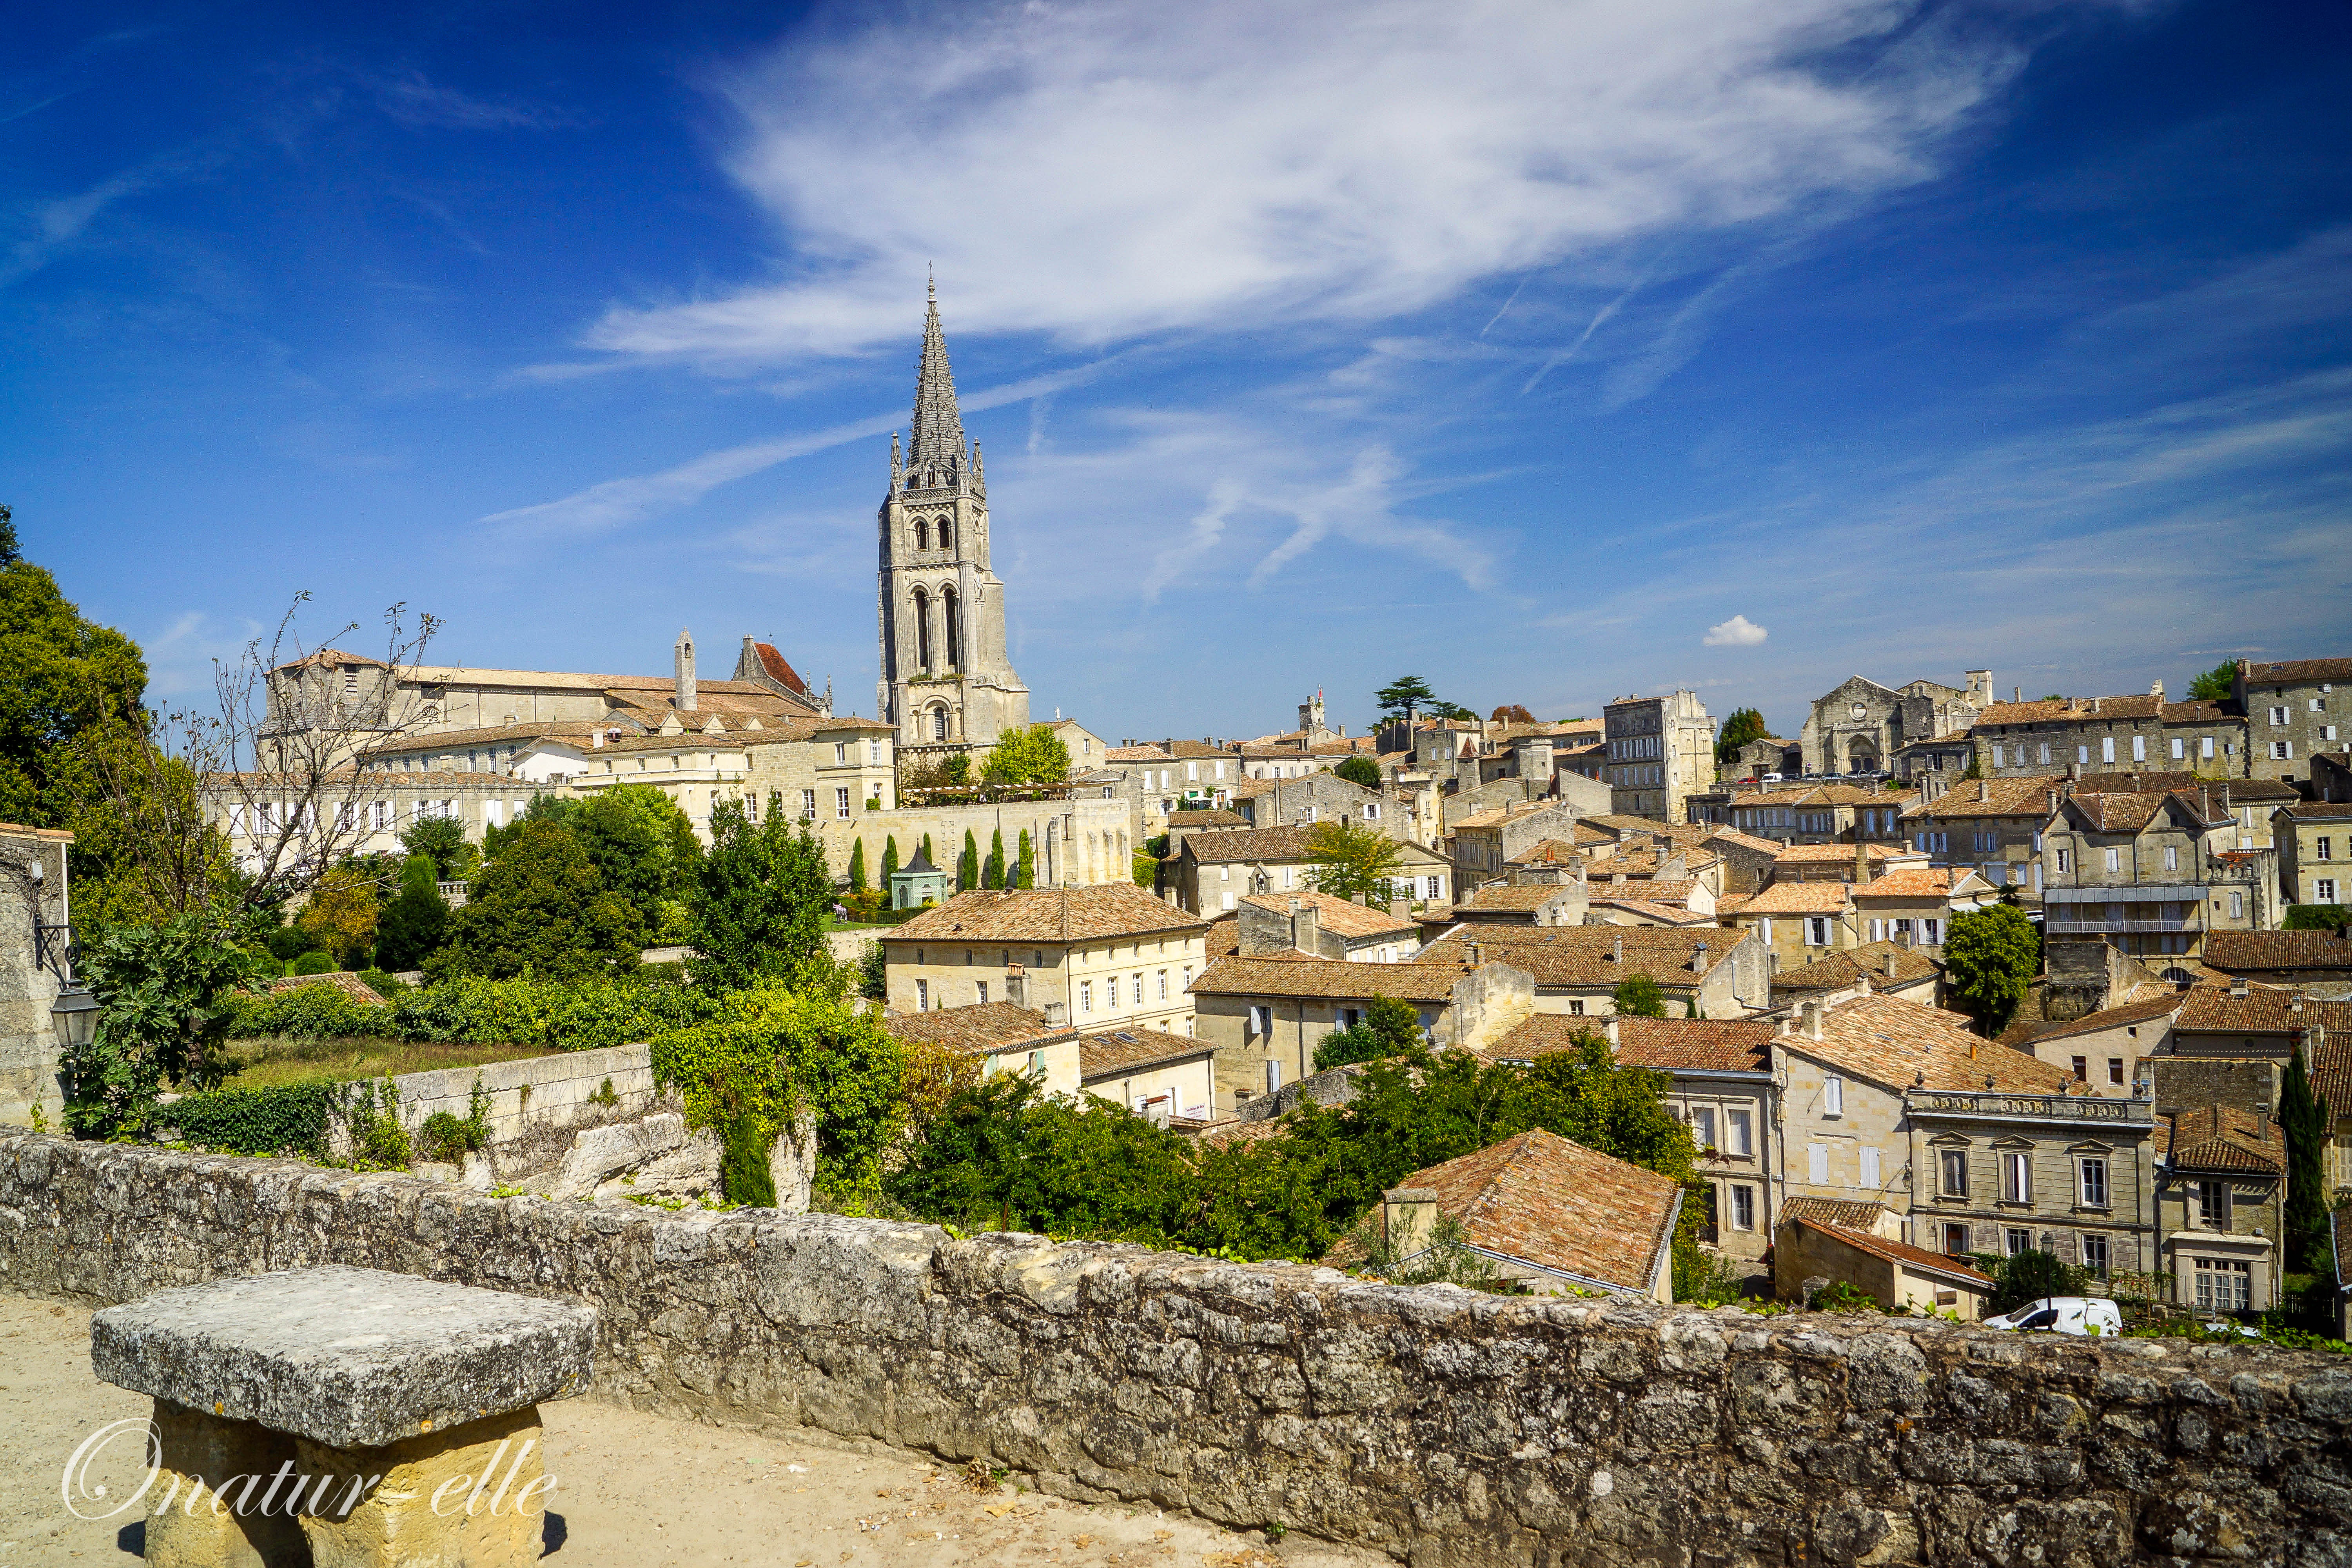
x=935 y=448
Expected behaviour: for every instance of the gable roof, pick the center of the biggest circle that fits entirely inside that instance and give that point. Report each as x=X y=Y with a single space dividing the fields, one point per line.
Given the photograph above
x=1560 y=1205
x=1744 y=841
x=1046 y=914
x=1886 y=964
x=2122 y=812
x=1918 y=882
x=2276 y=950
x=1237 y=844
x=2032 y=797
x=1214 y=818
x=1578 y=957
x=2222 y=1138
x=1333 y=913
x=1849 y=1215
x=1668 y=1045
x=1521 y=898
x=1828 y=896
x=1895 y=1043
x=1132 y=1050
x=775 y=666
x=1329 y=978
x=1901 y=1253
x=2302 y=669
x=2263 y=1010
x=977 y=1030
x=2144 y=1010
x=1811 y=854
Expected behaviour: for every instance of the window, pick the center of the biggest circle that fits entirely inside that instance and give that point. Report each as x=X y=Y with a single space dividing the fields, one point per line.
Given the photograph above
x=1833 y=1096
x=2082 y=1069
x=1433 y=891
x=2082 y=754
x=2172 y=857
x=2045 y=753
x=2323 y=848
x=1996 y=757
x=922 y=995
x=1576 y=1007
x=1817 y=1164
x=1138 y=990
x=2016 y=1177
x=2065 y=859
x=2179 y=746
x=841 y=801
x=2094 y=1256
x=2238 y=906
x=1260 y=1019
x=808 y=804
x=2278 y=715
x=980 y=992
x=380 y=816
x=1702 y=1123
x=841 y=753
x=2094 y=1183
x=2115 y=1071
x=1037 y=1064
x=1737 y=1132
x=2213 y=1199
x=1086 y=996
x=2107 y=749
x=873 y=751
x=2281 y=750
x=1273 y=1077
x=1743 y=1207
x=1870 y=1167
x=1163 y=985
x=1817 y=931
x=2324 y=890
x=2016 y=1239
x=1955 y=1240
x=2139 y=748
x=2224 y=1285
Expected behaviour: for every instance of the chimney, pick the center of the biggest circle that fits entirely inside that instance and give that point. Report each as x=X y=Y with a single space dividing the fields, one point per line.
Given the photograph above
x=1016 y=985
x=1617 y=949
x=1401 y=910
x=1057 y=1015
x=683 y=654
x=1478 y=955
x=1861 y=861
x=2238 y=986
x=1698 y=958
x=2094 y=705
x=1886 y=964
x=2156 y=689
x=2017 y=694
x=1609 y=1028
x=1305 y=928
x=1408 y=1219
x=1984 y=789
x=1809 y=1015
x=2050 y=800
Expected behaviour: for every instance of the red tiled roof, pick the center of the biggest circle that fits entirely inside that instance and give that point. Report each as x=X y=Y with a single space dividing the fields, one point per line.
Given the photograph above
x=2230 y=949
x=1046 y=914
x=1896 y=1043
x=1898 y=1252
x=2329 y=669
x=988 y=1026
x=2222 y=1138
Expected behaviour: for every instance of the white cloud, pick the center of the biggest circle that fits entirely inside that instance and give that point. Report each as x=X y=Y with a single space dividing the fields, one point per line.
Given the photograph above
x=1736 y=632
x=1102 y=170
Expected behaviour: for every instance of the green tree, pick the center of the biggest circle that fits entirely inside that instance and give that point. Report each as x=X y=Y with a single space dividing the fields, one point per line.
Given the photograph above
x=992 y=875
x=645 y=849
x=1743 y=725
x=542 y=909
x=1031 y=756
x=2303 y=1118
x=1452 y=712
x=63 y=681
x=857 y=867
x=342 y=912
x=957 y=769
x=928 y=853
x=873 y=972
x=760 y=898
x=1991 y=956
x=415 y=923
x=2317 y=917
x=1347 y=859
x=967 y=863
x=890 y=860
x=2030 y=1275
x=1360 y=771
x=1404 y=696
x=1638 y=996
x=1025 y=873
x=2218 y=684
x=1390 y=1028
x=164 y=994
x=442 y=840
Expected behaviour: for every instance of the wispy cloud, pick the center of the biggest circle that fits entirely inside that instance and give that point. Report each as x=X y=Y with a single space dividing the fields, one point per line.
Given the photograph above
x=413 y=101
x=1316 y=161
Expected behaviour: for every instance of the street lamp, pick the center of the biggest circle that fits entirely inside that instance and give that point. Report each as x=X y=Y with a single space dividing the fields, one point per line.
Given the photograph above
x=75 y=1012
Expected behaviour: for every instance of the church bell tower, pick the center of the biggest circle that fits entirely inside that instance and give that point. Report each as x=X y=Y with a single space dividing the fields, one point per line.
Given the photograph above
x=946 y=682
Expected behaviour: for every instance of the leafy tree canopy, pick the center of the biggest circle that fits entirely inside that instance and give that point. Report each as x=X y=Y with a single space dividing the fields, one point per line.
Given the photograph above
x=1511 y=713
x=1360 y=771
x=1990 y=957
x=760 y=898
x=1390 y=1028
x=1347 y=859
x=2317 y=917
x=163 y=995
x=1638 y=996
x=2304 y=1117
x=1745 y=724
x=2215 y=685
x=416 y=922
x=541 y=908
x=1404 y=696
x=342 y=912
x=442 y=840
x=1033 y=755
x=1453 y=711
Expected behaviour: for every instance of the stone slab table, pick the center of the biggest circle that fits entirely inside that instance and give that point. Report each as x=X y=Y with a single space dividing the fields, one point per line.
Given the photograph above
x=396 y=1417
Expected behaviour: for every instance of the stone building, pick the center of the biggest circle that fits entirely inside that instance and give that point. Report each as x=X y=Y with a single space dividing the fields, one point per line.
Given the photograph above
x=1108 y=956
x=1267 y=1016
x=1317 y=795
x=2221 y=1183
x=1703 y=972
x=947 y=682
x=34 y=871
x=1809 y=813
x=2147 y=872
x=2315 y=842
x=2104 y=1049
x=2292 y=712
x=1859 y=726
x=1719 y=1085
x=1211 y=871
x=2046 y=738
x=1072 y=842
x=1322 y=926
x=1485 y=843
x=1660 y=750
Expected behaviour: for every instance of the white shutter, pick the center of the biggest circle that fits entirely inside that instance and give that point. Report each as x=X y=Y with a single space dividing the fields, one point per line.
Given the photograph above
x=1817 y=1164
x=1870 y=1167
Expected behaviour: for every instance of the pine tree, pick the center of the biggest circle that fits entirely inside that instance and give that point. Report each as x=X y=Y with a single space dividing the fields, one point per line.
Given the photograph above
x=967 y=863
x=928 y=853
x=1025 y=871
x=2303 y=1116
x=857 y=867
x=994 y=876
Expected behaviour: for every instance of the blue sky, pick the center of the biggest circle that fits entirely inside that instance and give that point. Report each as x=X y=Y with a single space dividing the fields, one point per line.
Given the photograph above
x=1551 y=352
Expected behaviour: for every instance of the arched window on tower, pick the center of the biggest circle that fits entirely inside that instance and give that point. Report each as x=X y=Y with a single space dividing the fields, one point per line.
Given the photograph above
x=955 y=628
x=939 y=723
x=947 y=533
x=922 y=533
x=922 y=630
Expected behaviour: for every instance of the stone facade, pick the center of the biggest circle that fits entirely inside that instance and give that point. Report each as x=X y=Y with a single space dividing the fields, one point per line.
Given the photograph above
x=2293 y=712
x=2314 y=850
x=946 y=681
x=1660 y=750
x=1859 y=726
x=28 y=1040
x=1442 y=1427
x=2048 y=738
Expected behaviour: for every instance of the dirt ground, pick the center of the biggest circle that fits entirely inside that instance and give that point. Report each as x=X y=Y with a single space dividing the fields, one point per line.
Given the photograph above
x=632 y=1491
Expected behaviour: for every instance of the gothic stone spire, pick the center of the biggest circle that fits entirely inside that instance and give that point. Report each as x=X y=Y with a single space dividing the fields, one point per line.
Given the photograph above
x=935 y=449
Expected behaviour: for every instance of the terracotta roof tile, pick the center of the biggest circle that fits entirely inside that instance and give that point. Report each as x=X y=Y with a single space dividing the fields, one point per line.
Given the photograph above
x=1744 y=841
x=1895 y=1043
x=1047 y=914
x=1130 y=1050
x=989 y=1026
x=350 y=985
x=2222 y=1138
x=1560 y=1205
x=1838 y=971
x=1207 y=819
x=1579 y=956
x=1816 y=854
x=1239 y=844
x=2263 y=1009
x=1521 y=897
x=2277 y=949
x=1345 y=916
x=1656 y=914
x=1330 y=978
x=1899 y=1252
x=1823 y=897
x=2321 y=810
x=2302 y=669
x=1843 y=1213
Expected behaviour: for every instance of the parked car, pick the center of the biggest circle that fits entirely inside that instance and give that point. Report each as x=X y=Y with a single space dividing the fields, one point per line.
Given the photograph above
x=2083 y=1315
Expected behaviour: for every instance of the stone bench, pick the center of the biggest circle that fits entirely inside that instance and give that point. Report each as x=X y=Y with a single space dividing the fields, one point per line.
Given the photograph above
x=344 y=1416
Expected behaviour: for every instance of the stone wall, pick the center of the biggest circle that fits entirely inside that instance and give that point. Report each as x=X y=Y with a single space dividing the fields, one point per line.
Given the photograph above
x=536 y=1093
x=28 y=1041
x=1441 y=1426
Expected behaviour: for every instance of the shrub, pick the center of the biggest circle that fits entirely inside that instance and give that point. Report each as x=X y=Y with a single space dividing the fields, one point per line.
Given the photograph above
x=1639 y=996
x=416 y=922
x=743 y=1174
x=450 y=1138
x=379 y=1141
x=2030 y=1275
x=286 y=1119
x=1390 y=1028
x=288 y=943
x=2317 y=917
x=313 y=962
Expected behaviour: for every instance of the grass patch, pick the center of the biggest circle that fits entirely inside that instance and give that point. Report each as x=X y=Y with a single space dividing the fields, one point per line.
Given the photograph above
x=267 y=1063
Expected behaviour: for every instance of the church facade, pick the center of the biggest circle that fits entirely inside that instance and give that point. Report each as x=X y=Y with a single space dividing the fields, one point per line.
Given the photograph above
x=947 y=684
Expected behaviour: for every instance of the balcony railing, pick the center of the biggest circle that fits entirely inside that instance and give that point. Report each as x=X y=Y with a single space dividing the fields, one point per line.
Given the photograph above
x=2045 y=1107
x=2077 y=925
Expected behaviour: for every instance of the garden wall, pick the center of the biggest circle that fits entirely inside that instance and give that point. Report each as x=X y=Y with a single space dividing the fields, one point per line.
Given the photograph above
x=535 y=1093
x=1438 y=1424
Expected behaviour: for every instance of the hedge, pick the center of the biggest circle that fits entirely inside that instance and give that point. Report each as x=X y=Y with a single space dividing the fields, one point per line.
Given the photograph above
x=286 y=1119
x=552 y=1015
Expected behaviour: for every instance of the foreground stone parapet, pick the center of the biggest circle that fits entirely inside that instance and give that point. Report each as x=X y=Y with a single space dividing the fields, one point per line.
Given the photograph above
x=370 y=1413
x=346 y=1357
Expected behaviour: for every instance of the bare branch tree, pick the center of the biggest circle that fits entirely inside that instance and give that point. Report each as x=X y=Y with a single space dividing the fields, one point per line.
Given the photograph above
x=253 y=797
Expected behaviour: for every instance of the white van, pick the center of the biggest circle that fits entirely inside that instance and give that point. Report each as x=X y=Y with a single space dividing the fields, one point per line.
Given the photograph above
x=2086 y=1315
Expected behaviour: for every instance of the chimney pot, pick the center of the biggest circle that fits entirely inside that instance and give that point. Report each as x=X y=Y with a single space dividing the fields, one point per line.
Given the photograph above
x=1617 y=950
x=1810 y=1013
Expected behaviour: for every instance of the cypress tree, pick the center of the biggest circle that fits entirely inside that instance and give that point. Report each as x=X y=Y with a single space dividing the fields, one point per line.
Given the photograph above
x=857 y=867
x=967 y=863
x=994 y=875
x=1025 y=871
x=928 y=853
x=890 y=860
x=2303 y=1117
